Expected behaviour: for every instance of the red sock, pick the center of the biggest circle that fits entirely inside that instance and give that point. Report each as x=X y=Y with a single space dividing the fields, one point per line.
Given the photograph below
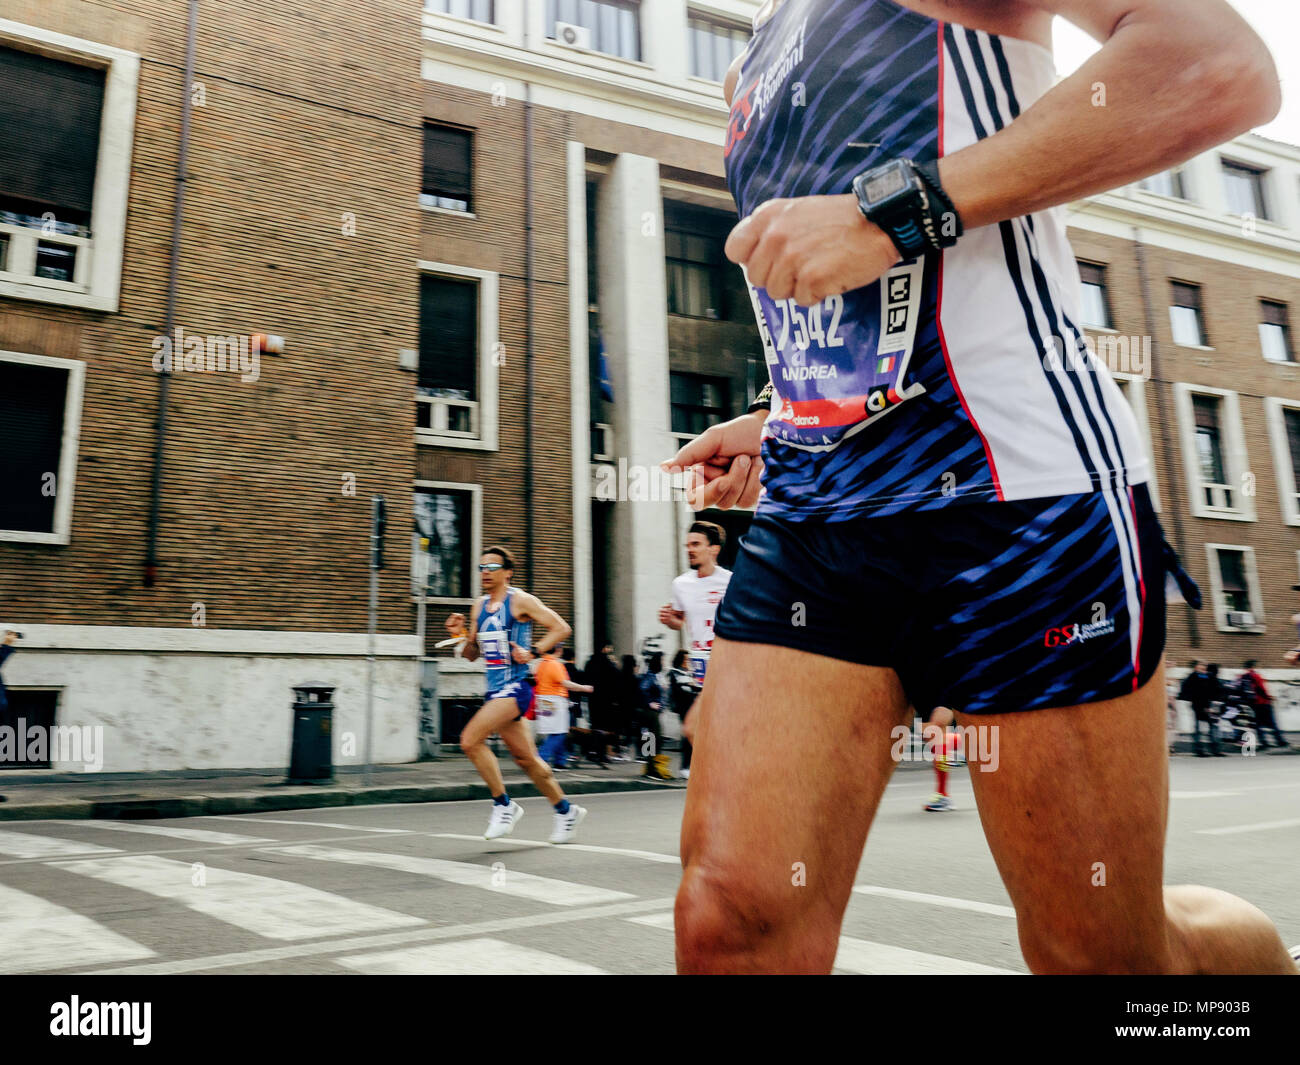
x=941 y=781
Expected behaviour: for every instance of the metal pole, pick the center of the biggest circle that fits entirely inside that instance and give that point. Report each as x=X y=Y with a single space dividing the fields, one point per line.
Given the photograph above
x=173 y=284
x=370 y=672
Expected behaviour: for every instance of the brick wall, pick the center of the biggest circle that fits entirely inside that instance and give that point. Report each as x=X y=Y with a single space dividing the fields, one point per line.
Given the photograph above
x=1230 y=298
x=310 y=113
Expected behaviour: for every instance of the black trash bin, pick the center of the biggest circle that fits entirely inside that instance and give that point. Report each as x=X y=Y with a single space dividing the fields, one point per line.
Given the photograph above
x=311 y=760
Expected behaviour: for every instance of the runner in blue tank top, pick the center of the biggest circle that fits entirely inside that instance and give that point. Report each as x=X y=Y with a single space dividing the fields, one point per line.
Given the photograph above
x=501 y=632
x=953 y=506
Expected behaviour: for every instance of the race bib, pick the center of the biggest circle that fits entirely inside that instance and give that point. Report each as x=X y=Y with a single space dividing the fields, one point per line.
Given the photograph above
x=841 y=364
x=495 y=645
x=699 y=664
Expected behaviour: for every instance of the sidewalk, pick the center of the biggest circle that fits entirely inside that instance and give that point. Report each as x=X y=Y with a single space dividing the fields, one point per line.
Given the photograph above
x=40 y=794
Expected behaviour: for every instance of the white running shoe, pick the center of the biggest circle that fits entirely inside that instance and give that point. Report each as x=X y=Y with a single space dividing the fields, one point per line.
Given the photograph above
x=504 y=819
x=566 y=825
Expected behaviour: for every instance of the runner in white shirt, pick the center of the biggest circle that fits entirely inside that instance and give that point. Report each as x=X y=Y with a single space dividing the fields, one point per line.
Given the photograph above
x=696 y=595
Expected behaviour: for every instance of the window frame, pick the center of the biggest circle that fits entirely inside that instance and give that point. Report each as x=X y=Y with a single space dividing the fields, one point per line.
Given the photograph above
x=726 y=382
x=1109 y=324
x=1202 y=331
x=1235 y=453
x=698 y=14
x=1275 y=408
x=69 y=446
x=1178 y=180
x=1253 y=588
x=1260 y=175
x=472 y=133
x=488 y=377
x=462 y=18
x=1136 y=398
x=1285 y=326
x=97 y=284
x=476 y=531
x=638 y=11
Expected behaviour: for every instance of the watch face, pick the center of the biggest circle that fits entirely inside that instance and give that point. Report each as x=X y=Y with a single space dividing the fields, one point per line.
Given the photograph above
x=883 y=186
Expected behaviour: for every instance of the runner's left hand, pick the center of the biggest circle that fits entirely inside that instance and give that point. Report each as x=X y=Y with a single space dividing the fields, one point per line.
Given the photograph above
x=810 y=248
x=519 y=654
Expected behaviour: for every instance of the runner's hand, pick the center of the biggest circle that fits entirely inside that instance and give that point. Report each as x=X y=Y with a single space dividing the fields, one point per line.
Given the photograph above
x=455 y=624
x=519 y=654
x=722 y=464
x=669 y=616
x=811 y=247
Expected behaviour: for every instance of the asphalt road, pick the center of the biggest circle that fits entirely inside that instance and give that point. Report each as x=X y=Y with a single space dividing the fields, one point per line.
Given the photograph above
x=415 y=889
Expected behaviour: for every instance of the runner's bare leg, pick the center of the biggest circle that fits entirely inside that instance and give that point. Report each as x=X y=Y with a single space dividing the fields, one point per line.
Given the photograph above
x=491 y=717
x=785 y=781
x=1075 y=814
x=519 y=741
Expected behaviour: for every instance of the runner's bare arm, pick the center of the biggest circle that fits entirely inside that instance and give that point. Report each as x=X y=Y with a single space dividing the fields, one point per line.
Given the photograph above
x=1173 y=78
x=457 y=623
x=528 y=606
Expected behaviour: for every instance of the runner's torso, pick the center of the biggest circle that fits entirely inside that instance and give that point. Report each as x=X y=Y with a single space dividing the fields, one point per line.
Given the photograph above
x=497 y=630
x=961 y=376
x=698 y=598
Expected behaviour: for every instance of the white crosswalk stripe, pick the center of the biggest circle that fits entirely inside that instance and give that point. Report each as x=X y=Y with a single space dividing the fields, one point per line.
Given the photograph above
x=490 y=878
x=194 y=835
x=864 y=957
x=28 y=845
x=276 y=909
x=469 y=957
x=37 y=935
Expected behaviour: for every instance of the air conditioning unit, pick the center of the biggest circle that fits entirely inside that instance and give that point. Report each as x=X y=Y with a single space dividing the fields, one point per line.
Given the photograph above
x=602 y=442
x=572 y=36
x=1241 y=619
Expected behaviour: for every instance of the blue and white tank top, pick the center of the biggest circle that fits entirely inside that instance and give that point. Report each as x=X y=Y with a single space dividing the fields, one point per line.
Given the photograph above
x=960 y=376
x=497 y=630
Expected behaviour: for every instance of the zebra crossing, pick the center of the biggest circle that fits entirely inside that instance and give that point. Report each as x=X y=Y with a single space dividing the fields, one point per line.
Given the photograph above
x=287 y=894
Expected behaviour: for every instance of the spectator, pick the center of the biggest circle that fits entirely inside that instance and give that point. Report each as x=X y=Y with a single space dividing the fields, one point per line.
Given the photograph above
x=682 y=690
x=1201 y=689
x=652 y=701
x=630 y=705
x=553 y=688
x=603 y=677
x=1255 y=692
x=6 y=649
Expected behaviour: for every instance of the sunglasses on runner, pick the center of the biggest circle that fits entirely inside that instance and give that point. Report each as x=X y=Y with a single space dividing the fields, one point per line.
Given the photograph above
x=489 y=567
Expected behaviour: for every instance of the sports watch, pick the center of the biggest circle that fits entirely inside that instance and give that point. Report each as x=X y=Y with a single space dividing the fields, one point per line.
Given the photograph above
x=763 y=401
x=907 y=201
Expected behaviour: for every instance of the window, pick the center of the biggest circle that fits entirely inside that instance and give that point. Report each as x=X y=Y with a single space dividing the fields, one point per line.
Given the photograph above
x=478 y=10
x=1133 y=388
x=1275 y=332
x=1214 y=452
x=448 y=168
x=1283 y=419
x=1186 y=316
x=1096 y=306
x=1209 y=452
x=40 y=418
x=714 y=44
x=447 y=517
x=698 y=402
x=67 y=109
x=1168 y=183
x=457 y=368
x=614 y=25
x=1234 y=588
x=1244 y=188
x=694 y=287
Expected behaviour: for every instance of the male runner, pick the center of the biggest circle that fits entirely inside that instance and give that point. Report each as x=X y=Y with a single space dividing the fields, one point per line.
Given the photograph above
x=501 y=629
x=949 y=490
x=696 y=595
x=945 y=747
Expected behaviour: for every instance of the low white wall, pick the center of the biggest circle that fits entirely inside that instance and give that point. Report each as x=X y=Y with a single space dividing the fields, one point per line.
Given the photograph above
x=1283 y=686
x=217 y=699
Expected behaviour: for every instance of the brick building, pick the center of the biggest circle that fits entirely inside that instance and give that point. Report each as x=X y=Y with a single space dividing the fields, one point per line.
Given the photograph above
x=510 y=337
x=301 y=220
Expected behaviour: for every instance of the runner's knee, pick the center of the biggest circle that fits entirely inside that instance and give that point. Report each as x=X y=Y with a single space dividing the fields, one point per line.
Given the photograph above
x=725 y=917
x=1083 y=951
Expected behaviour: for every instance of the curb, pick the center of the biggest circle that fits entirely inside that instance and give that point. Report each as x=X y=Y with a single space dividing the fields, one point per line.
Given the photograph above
x=243 y=802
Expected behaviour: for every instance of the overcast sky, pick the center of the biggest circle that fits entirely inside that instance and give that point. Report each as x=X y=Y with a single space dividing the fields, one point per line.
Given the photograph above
x=1277 y=21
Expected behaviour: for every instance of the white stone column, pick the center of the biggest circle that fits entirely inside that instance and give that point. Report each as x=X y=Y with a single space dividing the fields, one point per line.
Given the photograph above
x=579 y=399
x=634 y=325
x=664 y=43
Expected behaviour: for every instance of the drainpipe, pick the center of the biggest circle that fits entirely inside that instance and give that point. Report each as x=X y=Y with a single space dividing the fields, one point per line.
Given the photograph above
x=173 y=282
x=1172 y=485
x=529 y=510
